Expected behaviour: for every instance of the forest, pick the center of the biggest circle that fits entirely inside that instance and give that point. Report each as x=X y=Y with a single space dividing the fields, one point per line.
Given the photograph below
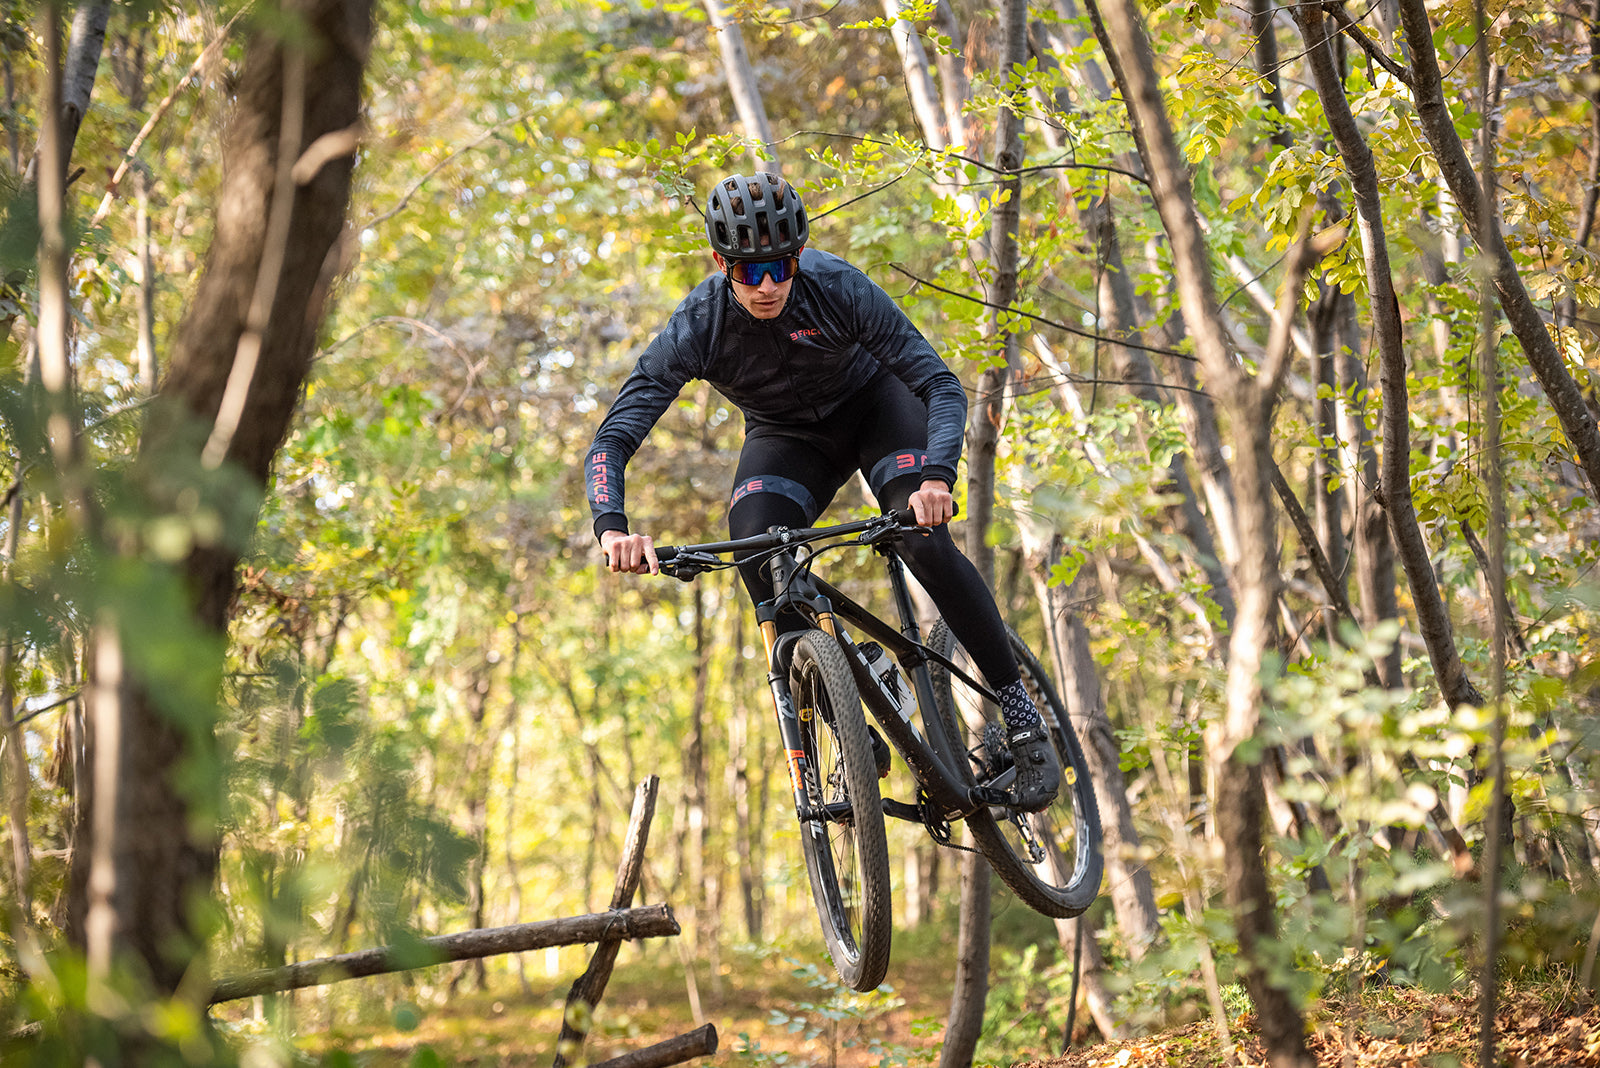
x=1280 y=329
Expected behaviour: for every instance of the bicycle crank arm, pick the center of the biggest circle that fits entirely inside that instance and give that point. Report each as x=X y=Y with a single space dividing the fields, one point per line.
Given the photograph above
x=902 y=811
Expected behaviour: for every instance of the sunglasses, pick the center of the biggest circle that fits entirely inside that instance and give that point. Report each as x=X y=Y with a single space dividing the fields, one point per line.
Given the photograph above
x=751 y=272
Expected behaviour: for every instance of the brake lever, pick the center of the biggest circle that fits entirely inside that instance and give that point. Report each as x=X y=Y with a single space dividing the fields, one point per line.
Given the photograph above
x=687 y=566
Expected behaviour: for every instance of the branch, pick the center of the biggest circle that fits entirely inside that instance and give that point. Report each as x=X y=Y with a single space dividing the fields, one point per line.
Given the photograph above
x=654 y=921
x=1348 y=26
x=1304 y=254
x=588 y=988
x=701 y=1042
x=1078 y=330
x=405 y=198
x=157 y=115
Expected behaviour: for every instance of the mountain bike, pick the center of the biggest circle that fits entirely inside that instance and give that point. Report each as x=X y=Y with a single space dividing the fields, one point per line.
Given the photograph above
x=844 y=658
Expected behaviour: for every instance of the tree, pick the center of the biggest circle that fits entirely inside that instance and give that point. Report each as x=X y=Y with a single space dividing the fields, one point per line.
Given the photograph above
x=148 y=846
x=1249 y=401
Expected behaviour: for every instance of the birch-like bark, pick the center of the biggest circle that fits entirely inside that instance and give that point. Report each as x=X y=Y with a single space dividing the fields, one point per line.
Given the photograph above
x=77 y=78
x=1432 y=618
x=742 y=87
x=920 y=87
x=1549 y=367
x=953 y=77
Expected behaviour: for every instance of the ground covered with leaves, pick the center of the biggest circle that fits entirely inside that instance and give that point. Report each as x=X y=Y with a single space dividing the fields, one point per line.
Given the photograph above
x=1395 y=1029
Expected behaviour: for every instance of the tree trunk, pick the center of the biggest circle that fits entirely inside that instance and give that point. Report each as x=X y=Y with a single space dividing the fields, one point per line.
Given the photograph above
x=1249 y=402
x=742 y=87
x=983 y=437
x=920 y=87
x=1433 y=114
x=240 y=357
x=1396 y=498
x=1132 y=889
x=971 y=987
x=698 y=782
x=745 y=833
x=1194 y=405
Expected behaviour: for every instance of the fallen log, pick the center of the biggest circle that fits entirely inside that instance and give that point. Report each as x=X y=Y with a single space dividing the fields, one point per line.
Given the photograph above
x=701 y=1042
x=652 y=921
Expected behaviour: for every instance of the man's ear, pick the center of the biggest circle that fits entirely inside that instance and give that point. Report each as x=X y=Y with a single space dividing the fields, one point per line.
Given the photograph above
x=721 y=264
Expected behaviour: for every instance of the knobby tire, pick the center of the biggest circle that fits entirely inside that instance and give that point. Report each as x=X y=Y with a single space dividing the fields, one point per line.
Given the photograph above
x=1051 y=860
x=847 y=859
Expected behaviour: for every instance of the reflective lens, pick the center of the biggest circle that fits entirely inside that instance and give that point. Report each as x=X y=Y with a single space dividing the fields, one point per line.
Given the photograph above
x=751 y=272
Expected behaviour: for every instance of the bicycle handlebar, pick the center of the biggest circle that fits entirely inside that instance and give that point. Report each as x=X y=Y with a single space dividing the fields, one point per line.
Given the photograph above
x=694 y=559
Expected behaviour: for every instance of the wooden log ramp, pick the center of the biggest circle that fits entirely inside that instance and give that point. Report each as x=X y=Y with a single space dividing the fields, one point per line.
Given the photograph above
x=607 y=930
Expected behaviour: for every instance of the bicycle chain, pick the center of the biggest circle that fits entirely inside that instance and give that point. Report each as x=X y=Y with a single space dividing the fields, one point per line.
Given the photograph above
x=938 y=828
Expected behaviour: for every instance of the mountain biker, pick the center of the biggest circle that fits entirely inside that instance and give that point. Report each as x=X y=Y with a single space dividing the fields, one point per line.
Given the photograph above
x=831 y=377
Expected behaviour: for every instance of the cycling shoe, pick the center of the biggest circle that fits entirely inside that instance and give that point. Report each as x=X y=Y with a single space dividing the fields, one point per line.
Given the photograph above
x=1038 y=771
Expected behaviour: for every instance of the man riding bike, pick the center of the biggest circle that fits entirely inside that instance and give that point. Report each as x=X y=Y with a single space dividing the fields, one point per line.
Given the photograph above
x=832 y=378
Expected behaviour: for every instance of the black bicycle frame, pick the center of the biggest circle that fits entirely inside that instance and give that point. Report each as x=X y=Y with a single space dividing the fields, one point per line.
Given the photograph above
x=934 y=759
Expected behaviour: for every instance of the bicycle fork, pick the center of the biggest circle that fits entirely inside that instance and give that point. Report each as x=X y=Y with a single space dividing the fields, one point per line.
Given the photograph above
x=789 y=732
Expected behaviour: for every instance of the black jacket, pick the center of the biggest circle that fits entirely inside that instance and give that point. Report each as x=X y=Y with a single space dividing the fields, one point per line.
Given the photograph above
x=837 y=330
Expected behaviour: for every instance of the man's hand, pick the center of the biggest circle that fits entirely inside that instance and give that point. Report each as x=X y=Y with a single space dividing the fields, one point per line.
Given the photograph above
x=630 y=552
x=932 y=504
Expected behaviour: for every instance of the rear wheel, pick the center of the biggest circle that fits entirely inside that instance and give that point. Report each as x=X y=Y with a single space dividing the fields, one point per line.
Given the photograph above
x=1050 y=859
x=846 y=853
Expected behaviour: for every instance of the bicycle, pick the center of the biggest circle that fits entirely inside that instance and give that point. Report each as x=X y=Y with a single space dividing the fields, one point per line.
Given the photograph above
x=820 y=677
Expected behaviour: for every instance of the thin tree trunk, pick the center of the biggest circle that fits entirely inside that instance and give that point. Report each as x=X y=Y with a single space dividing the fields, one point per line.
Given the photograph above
x=15 y=778
x=971 y=985
x=1433 y=620
x=697 y=779
x=920 y=87
x=1132 y=889
x=1250 y=403
x=1267 y=66
x=1092 y=971
x=1119 y=313
x=745 y=833
x=1567 y=310
x=1438 y=126
x=1195 y=407
x=742 y=86
x=983 y=437
x=513 y=729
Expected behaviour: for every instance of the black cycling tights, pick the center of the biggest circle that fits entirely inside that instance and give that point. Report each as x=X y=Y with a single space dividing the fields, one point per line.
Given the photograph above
x=787 y=475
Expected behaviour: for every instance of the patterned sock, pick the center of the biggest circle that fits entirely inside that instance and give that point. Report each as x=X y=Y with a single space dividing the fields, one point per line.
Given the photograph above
x=1017 y=707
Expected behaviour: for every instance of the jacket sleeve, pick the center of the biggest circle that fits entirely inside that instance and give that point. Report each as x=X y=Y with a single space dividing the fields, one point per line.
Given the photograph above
x=885 y=331
x=667 y=363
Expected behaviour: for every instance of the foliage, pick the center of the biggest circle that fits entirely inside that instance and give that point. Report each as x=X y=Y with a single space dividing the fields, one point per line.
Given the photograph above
x=433 y=707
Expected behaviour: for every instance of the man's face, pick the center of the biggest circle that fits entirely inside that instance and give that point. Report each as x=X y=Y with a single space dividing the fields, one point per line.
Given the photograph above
x=764 y=301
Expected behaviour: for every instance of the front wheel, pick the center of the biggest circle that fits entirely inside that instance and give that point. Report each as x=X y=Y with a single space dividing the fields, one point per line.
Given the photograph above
x=1050 y=859
x=842 y=836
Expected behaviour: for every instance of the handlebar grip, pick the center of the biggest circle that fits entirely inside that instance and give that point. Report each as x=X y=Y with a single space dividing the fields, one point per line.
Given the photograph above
x=908 y=518
x=665 y=554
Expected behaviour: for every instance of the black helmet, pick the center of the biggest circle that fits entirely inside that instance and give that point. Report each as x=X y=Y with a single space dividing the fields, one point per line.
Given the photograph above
x=755 y=217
